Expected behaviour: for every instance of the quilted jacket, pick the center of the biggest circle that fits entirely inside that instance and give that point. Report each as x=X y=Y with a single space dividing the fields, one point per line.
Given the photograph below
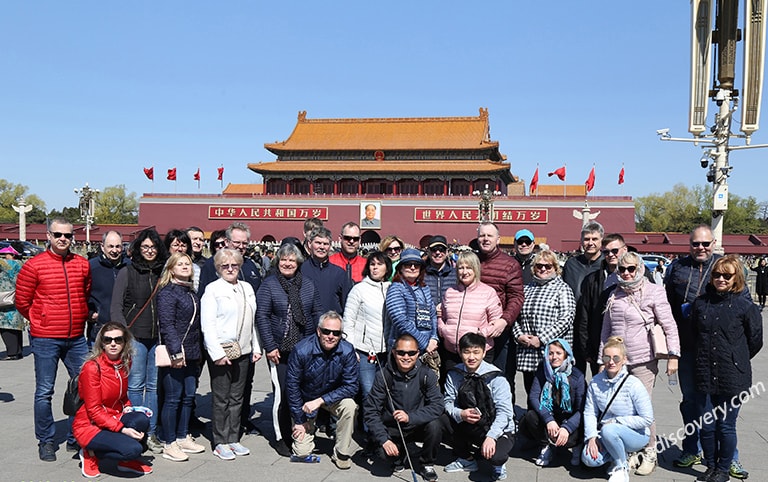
x=502 y=272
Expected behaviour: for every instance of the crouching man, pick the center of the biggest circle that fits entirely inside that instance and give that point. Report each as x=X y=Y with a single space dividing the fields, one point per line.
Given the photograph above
x=407 y=393
x=479 y=404
x=322 y=373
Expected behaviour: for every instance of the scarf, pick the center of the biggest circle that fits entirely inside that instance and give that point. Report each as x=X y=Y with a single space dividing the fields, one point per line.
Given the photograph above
x=557 y=380
x=181 y=282
x=296 y=321
x=636 y=283
x=542 y=281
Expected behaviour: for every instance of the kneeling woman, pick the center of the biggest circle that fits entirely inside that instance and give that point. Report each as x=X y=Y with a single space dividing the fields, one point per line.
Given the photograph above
x=106 y=426
x=617 y=414
x=557 y=401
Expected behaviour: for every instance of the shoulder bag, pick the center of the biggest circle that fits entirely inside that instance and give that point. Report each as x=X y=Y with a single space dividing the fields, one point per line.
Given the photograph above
x=162 y=357
x=656 y=335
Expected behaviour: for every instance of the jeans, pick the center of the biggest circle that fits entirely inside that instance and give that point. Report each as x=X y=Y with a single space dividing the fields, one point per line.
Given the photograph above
x=615 y=441
x=686 y=373
x=718 y=437
x=367 y=373
x=142 y=379
x=117 y=445
x=48 y=352
x=505 y=358
x=179 y=385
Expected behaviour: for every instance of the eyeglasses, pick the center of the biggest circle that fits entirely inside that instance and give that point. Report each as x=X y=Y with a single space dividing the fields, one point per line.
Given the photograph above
x=438 y=249
x=524 y=241
x=239 y=244
x=326 y=331
x=406 y=352
x=144 y=247
x=630 y=268
x=543 y=266
x=57 y=234
x=410 y=265
x=616 y=359
x=220 y=244
x=393 y=249
x=614 y=251
x=725 y=276
x=178 y=244
x=108 y=340
x=703 y=244
x=351 y=239
x=227 y=267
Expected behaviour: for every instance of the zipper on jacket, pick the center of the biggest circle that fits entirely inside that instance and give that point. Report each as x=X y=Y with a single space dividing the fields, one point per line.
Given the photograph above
x=458 y=322
x=69 y=294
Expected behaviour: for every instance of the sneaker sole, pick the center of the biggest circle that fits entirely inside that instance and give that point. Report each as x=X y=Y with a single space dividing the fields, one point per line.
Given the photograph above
x=223 y=457
x=193 y=451
x=174 y=459
x=131 y=471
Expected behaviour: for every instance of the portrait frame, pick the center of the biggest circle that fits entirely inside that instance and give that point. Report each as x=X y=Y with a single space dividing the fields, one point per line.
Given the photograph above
x=368 y=208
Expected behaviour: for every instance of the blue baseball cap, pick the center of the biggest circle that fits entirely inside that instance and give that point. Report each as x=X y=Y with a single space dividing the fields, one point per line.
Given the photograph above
x=524 y=233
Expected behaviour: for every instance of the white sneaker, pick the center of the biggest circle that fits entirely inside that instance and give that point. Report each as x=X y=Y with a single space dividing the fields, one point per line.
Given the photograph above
x=174 y=453
x=188 y=445
x=619 y=474
x=545 y=456
x=238 y=449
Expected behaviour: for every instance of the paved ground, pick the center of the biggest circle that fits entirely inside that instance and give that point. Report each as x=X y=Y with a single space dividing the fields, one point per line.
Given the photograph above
x=20 y=461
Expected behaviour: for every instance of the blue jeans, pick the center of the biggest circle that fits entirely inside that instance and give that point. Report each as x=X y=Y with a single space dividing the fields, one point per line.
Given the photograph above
x=142 y=379
x=615 y=440
x=117 y=445
x=718 y=437
x=48 y=352
x=179 y=385
x=366 y=377
x=689 y=409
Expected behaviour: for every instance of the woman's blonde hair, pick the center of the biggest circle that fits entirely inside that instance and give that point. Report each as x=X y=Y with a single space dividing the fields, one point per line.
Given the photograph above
x=616 y=342
x=733 y=263
x=225 y=254
x=173 y=260
x=546 y=256
x=98 y=344
x=470 y=259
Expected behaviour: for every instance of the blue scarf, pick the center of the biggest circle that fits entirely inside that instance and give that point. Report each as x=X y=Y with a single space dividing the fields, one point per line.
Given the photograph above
x=557 y=379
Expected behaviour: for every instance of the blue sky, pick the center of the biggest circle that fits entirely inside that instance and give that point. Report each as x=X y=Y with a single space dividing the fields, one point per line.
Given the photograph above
x=95 y=91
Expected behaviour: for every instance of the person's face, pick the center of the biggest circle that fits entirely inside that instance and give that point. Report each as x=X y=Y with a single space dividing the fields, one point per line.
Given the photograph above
x=393 y=250
x=524 y=246
x=377 y=270
x=544 y=268
x=472 y=357
x=220 y=243
x=148 y=250
x=112 y=247
x=370 y=212
x=288 y=265
x=410 y=271
x=627 y=271
x=556 y=356
x=437 y=255
x=590 y=244
x=613 y=360
x=197 y=238
x=405 y=352
x=612 y=252
x=487 y=239
x=350 y=240
x=466 y=274
x=723 y=279
x=228 y=269
x=329 y=333
x=238 y=240
x=702 y=245
x=60 y=236
x=319 y=247
x=183 y=269
x=113 y=343
x=177 y=246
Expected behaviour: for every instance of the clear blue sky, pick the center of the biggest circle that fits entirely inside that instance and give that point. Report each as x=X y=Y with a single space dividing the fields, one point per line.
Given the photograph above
x=95 y=91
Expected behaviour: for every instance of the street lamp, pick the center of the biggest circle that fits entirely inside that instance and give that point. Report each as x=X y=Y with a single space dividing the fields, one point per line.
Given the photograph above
x=87 y=208
x=485 y=205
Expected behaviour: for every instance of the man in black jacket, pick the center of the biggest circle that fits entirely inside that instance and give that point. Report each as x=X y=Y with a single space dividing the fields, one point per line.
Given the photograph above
x=406 y=392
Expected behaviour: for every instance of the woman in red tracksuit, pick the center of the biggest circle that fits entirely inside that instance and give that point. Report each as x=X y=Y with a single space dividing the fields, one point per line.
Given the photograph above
x=106 y=426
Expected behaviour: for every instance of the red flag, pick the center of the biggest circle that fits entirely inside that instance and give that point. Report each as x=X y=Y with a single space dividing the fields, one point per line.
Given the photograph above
x=197 y=174
x=621 y=176
x=534 y=182
x=172 y=174
x=590 y=182
x=150 y=173
x=560 y=173
x=221 y=173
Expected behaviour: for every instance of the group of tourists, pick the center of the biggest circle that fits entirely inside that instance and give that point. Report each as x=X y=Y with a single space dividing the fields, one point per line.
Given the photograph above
x=399 y=346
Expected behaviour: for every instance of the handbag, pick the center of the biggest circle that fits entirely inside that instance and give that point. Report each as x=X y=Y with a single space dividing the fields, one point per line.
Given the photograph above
x=656 y=335
x=72 y=400
x=7 y=298
x=232 y=349
x=162 y=357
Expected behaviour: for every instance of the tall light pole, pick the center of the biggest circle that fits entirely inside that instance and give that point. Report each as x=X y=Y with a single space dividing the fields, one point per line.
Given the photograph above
x=485 y=205
x=87 y=208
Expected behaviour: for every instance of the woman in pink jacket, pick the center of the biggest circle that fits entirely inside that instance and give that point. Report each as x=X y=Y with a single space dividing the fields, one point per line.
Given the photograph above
x=470 y=306
x=632 y=309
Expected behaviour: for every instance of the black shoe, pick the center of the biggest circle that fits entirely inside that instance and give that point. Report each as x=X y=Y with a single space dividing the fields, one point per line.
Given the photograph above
x=706 y=475
x=719 y=476
x=428 y=473
x=281 y=448
x=13 y=357
x=47 y=452
x=249 y=428
x=73 y=447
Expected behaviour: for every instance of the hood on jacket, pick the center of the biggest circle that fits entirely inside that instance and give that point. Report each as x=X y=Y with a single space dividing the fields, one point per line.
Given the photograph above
x=483 y=369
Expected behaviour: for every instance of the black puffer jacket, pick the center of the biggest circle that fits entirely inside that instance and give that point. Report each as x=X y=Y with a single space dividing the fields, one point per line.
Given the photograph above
x=729 y=332
x=133 y=287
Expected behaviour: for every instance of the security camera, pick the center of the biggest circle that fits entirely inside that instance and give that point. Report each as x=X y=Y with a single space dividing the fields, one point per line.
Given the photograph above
x=662 y=132
x=704 y=162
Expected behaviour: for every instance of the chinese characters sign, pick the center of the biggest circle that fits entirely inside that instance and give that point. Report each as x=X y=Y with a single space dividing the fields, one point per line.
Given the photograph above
x=267 y=212
x=427 y=215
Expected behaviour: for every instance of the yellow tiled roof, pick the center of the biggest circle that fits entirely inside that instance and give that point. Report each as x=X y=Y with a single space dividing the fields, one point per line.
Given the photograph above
x=416 y=133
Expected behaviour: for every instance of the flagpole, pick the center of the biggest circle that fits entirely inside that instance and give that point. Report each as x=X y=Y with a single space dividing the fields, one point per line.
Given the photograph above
x=565 y=179
x=537 y=186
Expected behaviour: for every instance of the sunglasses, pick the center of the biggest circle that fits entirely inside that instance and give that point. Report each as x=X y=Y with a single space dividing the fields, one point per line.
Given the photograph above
x=437 y=249
x=352 y=239
x=326 y=331
x=630 y=268
x=396 y=249
x=524 y=241
x=57 y=234
x=607 y=358
x=410 y=265
x=406 y=352
x=614 y=251
x=227 y=267
x=108 y=340
x=220 y=244
x=544 y=266
x=725 y=276
x=704 y=244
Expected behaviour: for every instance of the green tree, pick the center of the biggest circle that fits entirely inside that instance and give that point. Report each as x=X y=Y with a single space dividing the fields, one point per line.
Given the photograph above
x=9 y=193
x=69 y=213
x=115 y=206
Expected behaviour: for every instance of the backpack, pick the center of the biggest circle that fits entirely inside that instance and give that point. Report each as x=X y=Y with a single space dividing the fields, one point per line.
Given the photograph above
x=475 y=393
x=72 y=400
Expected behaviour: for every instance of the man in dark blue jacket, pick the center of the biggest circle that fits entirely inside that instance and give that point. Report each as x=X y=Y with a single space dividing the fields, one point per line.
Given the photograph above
x=330 y=280
x=323 y=373
x=104 y=269
x=440 y=274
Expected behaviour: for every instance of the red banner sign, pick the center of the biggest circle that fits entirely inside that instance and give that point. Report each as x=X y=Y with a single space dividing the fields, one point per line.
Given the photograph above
x=432 y=215
x=267 y=212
